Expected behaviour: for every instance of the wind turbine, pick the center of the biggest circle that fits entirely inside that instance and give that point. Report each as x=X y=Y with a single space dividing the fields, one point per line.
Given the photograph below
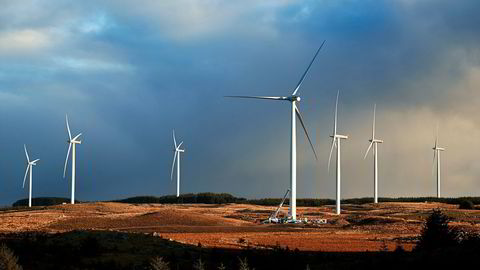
x=176 y=159
x=30 y=165
x=374 y=142
x=336 y=139
x=436 y=154
x=295 y=112
x=71 y=145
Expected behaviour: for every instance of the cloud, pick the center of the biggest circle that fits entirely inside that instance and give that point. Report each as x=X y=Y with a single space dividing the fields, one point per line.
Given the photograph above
x=23 y=41
x=140 y=69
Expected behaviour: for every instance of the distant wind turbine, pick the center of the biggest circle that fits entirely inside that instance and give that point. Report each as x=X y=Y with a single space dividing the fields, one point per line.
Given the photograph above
x=436 y=154
x=30 y=165
x=336 y=139
x=71 y=145
x=295 y=112
x=374 y=142
x=176 y=159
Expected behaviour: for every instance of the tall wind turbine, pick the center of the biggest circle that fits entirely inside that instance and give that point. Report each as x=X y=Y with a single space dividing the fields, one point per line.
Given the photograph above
x=71 y=145
x=30 y=165
x=374 y=142
x=336 y=139
x=295 y=112
x=176 y=159
x=436 y=154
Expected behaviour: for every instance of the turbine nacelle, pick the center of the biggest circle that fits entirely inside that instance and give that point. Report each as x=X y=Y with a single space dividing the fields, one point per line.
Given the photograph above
x=33 y=163
x=376 y=141
x=294 y=98
x=438 y=148
x=338 y=136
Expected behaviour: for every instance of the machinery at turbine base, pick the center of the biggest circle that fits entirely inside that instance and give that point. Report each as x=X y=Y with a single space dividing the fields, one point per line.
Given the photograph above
x=273 y=218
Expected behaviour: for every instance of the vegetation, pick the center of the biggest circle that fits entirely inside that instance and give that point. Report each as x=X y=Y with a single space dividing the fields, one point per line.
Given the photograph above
x=42 y=201
x=223 y=198
x=158 y=263
x=116 y=250
x=8 y=261
x=466 y=204
x=208 y=198
x=436 y=234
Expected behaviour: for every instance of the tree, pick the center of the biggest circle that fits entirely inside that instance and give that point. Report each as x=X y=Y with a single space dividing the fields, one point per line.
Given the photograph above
x=436 y=233
x=8 y=260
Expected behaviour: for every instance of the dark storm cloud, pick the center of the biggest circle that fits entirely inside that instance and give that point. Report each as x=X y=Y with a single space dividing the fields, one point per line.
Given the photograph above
x=127 y=73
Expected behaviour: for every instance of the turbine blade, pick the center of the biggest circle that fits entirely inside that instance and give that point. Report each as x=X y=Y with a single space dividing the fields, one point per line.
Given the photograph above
x=25 y=177
x=36 y=160
x=433 y=163
x=366 y=153
x=66 y=160
x=173 y=164
x=76 y=137
x=373 y=127
x=331 y=152
x=306 y=71
x=26 y=153
x=68 y=128
x=174 y=140
x=336 y=112
x=305 y=129
x=178 y=147
x=259 y=97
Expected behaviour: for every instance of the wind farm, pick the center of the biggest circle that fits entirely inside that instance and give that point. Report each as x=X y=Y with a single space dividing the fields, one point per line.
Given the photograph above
x=302 y=135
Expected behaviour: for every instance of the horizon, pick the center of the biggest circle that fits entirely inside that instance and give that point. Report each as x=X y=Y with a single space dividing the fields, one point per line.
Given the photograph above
x=127 y=74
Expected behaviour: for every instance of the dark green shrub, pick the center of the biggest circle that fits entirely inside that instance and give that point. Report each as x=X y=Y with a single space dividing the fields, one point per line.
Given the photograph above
x=436 y=234
x=466 y=204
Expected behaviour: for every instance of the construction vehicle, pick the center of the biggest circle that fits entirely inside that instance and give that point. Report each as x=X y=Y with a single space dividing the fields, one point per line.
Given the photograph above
x=273 y=217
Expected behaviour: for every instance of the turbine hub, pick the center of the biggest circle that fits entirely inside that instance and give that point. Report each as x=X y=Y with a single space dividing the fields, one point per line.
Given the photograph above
x=294 y=98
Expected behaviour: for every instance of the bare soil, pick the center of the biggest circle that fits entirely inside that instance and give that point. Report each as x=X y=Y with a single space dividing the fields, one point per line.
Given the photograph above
x=365 y=227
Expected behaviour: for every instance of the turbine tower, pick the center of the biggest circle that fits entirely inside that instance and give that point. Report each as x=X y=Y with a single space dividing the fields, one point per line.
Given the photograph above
x=30 y=165
x=436 y=154
x=336 y=139
x=71 y=145
x=294 y=113
x=176 y=159
x=374 y=142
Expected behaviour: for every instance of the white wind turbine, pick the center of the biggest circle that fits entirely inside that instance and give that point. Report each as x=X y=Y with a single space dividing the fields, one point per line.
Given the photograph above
x=176 y=159
x=30 y=165
x=71 y=145
x=374 y=142
x=293 y=99
x=336 y=139
x=436 y=154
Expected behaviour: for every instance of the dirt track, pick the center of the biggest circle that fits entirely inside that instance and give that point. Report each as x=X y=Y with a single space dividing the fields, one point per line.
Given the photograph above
x=359 y=228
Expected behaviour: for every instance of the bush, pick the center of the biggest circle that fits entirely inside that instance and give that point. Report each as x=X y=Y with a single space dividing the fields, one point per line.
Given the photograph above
x=158 y=263
x=199 y=265
x=436 y=233
x=8 y=260
x=43 y=201
x=466 y=204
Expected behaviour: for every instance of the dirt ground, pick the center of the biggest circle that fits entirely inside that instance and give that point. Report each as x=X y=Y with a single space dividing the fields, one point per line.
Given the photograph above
x=365 y=227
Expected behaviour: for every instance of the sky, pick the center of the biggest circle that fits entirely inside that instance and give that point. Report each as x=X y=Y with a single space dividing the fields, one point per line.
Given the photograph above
x=129 y=72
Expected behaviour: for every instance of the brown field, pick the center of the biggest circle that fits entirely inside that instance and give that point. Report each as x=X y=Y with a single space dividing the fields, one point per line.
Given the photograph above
x=365 y=227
